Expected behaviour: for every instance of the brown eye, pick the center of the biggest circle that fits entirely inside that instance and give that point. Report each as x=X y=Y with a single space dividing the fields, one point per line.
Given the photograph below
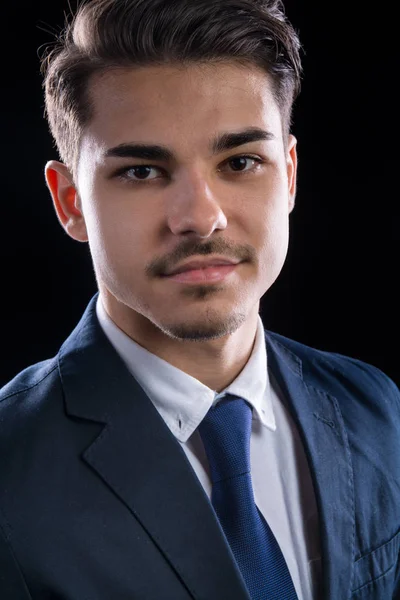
x=239 y=161
x=138 y=173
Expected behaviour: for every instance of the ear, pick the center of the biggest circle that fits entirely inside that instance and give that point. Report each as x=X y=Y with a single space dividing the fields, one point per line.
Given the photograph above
x=66 y=200
x=292 y=170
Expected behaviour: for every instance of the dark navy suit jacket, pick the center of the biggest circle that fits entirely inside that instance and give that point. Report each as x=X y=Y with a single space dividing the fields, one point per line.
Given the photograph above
x=99 y=502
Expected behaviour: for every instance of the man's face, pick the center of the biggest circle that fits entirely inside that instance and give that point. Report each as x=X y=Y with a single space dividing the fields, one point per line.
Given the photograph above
x=144 y=217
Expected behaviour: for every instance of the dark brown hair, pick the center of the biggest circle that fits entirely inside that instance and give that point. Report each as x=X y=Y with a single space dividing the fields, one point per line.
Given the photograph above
x=106 y=34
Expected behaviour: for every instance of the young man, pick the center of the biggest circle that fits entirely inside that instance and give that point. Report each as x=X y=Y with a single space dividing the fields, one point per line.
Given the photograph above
x=173 y=449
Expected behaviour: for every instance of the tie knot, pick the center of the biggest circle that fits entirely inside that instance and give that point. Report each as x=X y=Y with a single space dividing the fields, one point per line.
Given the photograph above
x=225 y=432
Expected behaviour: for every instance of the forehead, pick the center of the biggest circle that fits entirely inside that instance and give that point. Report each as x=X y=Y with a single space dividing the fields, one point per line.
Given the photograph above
x=185 y=102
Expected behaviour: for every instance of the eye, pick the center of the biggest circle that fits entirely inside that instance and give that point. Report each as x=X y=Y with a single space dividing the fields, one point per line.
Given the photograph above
x=140 y=173
x=240 y=161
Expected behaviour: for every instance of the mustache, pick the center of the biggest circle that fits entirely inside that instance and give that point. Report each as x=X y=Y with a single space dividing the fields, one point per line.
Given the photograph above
x=192 y=248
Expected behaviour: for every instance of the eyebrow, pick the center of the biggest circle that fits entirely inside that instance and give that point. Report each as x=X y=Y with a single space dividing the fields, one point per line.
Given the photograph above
x=225 y=141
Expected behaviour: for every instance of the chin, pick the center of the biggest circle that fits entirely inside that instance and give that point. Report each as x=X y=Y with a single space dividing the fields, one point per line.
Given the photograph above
x=212 y=326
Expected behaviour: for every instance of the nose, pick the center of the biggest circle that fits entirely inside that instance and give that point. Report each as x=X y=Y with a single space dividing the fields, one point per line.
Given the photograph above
x=194 y=208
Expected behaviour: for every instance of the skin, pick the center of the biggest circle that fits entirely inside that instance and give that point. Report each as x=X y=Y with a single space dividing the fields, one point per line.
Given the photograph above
x=136 y=231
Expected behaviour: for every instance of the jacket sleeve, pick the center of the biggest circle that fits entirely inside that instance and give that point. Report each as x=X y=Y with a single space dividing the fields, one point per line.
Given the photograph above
x=12 y=583
x=396 y=595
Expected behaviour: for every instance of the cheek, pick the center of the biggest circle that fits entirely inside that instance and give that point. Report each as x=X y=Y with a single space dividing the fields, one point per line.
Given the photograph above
x=271 y=217
x=116 y=239
x=273 y=238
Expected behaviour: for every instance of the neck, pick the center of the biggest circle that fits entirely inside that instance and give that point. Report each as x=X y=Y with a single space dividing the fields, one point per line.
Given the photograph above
x=215 y=362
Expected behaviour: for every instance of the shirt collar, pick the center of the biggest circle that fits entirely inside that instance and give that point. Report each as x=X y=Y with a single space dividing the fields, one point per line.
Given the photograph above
x=182 y=400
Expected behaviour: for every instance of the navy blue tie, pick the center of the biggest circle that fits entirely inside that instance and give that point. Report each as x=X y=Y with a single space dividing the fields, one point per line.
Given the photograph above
x=225 y=432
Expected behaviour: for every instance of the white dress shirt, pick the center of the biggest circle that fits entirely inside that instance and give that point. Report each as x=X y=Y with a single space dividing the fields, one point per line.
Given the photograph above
x=282 y=484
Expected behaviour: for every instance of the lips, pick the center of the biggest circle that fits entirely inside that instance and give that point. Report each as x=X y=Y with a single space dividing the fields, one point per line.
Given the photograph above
x=197 y=264
x=209 y=275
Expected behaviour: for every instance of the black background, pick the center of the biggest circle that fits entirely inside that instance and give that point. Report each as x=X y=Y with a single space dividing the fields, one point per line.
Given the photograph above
x=339 y=287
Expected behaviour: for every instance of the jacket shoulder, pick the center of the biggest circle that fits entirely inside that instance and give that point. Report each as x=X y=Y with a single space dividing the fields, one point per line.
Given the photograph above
x=331 y=369
x=23 y=396
x=27 y=379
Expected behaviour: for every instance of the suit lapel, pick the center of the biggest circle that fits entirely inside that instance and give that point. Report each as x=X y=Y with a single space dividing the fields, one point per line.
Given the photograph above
x=144 y=465
x=318 y=417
